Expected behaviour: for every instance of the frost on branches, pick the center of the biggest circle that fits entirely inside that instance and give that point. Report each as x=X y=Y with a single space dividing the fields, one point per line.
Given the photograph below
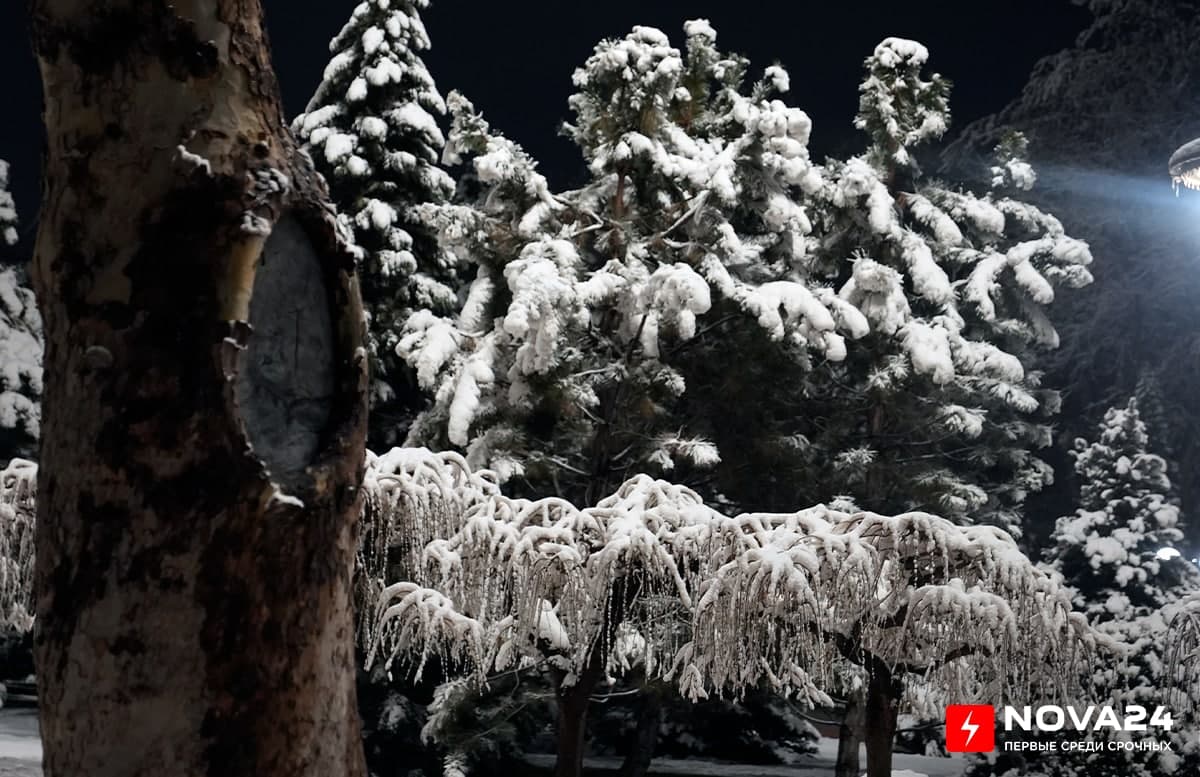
x=564 y=370
x=1108 y=555
x=18 y=481
x=20 y=367
x=372 y=130
x=939 y=407
x=652 y=577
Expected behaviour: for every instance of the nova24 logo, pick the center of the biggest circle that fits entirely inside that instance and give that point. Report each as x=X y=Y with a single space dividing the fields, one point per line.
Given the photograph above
x=970 y=728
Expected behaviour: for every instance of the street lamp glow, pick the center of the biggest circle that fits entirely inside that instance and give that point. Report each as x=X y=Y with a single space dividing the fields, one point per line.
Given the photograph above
x=1166 y=554
x=1184 y=165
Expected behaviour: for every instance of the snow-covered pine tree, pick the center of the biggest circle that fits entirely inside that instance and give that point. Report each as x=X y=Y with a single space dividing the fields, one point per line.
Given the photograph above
x=20 y=346
x=373 y=132
x=1108 y=552
x=940 y=407
x=1107 y=181
x=565 y=369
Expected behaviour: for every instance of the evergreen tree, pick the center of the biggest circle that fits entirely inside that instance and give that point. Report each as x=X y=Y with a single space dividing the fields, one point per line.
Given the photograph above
x=565 y=371
x=372 y=129
x=20 y=347
x=1109 y=552
x=940 y=407
x=1107 y=181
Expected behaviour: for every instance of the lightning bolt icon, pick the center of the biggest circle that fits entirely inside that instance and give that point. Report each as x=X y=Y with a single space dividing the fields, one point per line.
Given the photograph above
x=971 y=728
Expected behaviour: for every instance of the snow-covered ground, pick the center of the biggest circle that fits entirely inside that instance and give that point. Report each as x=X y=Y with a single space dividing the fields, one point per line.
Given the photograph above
x=819 y=764
x=21 y=756
x=20 y=745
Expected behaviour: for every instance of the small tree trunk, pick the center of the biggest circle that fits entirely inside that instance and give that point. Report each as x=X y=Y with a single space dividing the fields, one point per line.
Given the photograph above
x=572 y=725
x=883 y=699
x=637 y=762
x=850 y=736
x=204 y=408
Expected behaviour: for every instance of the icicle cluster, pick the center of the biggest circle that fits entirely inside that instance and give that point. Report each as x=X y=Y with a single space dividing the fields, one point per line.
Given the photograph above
x=651 y=575
x=18 y=482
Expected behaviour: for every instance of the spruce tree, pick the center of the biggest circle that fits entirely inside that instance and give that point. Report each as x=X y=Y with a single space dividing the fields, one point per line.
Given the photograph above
x=372 y=129
x=1110 y=554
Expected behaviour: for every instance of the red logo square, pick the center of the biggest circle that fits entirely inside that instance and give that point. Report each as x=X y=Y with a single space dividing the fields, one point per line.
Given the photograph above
x=970 y=728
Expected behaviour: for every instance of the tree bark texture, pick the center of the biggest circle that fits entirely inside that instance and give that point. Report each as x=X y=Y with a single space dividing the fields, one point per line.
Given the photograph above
x=204 y=408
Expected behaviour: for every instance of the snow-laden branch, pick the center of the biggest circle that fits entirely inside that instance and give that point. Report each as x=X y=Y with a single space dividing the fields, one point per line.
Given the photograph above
x=411 y=496
x=652 y=575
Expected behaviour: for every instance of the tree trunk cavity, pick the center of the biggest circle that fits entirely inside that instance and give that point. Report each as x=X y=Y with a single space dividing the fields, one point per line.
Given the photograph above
x=204 y=408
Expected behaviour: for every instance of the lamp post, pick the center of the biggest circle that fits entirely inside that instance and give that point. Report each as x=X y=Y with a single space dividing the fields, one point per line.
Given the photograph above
x=1183 y=631
x=1184 y=165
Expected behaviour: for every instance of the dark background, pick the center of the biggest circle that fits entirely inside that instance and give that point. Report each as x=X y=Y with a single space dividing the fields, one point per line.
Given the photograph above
x=514 y=60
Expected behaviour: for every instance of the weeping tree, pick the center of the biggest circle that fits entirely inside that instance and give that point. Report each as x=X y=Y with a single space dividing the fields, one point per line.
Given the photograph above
x=650 y=576
x=203 y=408
x=18 y=482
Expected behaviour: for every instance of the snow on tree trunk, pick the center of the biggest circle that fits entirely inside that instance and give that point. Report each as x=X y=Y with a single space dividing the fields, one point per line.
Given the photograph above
x=204 y=408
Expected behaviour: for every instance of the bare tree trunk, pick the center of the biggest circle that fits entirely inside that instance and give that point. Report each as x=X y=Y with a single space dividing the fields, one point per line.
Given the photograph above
x=204 y=408
x=645 y=738
x=883 y=699
x=850 y=736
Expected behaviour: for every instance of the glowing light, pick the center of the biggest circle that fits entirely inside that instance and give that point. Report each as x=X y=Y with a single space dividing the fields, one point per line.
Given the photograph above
x=1184 y=165
x=1166 y=554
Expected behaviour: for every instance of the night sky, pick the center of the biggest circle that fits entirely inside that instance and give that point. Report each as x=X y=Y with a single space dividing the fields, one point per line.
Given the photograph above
x=514 y=59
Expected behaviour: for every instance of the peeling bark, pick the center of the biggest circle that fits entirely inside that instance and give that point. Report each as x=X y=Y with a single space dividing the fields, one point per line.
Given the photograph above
x=193 y=557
